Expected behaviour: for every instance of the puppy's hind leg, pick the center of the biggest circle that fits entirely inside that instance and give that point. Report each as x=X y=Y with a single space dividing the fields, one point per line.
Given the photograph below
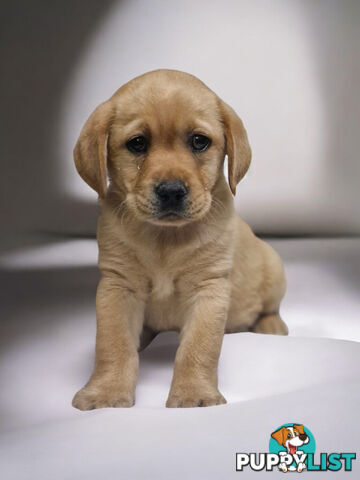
x=271 y=324
x=272 y=292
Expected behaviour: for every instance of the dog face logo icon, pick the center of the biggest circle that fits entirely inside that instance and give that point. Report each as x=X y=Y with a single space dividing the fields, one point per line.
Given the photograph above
x=291 y=437
x=292 y=442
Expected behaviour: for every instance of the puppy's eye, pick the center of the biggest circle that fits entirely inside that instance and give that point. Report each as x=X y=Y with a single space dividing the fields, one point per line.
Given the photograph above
x=289 y=435
x=137 y=144
x=199 y=143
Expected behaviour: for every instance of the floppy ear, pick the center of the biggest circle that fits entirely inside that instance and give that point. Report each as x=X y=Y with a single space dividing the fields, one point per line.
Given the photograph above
x=90 y=152
x=279 y=435
x=299 y=428
x=237 y=146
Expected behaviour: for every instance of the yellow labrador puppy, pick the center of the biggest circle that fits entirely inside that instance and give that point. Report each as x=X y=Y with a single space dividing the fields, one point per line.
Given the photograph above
x=172 y=253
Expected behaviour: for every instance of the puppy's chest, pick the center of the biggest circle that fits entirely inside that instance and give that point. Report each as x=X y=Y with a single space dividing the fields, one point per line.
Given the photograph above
x=162 y=312
x=162 y=272
x=162 y=285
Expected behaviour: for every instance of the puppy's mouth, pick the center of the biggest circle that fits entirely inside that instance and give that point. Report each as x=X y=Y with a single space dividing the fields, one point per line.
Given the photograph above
x=170 y=215
x=149 y=211
x=175 y=214
x=170 y=218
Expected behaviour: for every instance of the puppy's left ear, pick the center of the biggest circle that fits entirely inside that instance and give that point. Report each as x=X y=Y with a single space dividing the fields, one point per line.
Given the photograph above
x=90 y=152
x=237 y=145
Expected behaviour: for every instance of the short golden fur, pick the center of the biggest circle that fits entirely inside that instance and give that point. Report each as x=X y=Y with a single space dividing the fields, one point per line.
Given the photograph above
x=200 y=274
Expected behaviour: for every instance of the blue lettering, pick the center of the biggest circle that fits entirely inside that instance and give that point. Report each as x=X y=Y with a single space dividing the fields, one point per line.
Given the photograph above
x=310 y=463
x=334 y=462
x=323 y=461
x=349 y=457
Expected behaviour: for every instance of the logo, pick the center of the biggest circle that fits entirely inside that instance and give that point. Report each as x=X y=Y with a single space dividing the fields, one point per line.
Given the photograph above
x=292 y=449
x=292 y=442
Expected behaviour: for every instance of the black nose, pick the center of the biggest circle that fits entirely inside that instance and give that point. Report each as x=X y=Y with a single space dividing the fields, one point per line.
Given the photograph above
x=303 y=436
x=171 y=194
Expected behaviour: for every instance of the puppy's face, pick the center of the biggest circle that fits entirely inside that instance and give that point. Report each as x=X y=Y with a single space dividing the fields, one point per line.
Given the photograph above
x=166 y=153
x=162 y=138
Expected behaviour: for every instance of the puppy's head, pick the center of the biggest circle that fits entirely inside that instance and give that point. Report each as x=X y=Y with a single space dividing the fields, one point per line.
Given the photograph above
x=161 y=139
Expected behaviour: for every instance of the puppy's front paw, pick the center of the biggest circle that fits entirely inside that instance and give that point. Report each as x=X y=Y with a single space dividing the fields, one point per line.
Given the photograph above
x=187 y=398
x=89 y=398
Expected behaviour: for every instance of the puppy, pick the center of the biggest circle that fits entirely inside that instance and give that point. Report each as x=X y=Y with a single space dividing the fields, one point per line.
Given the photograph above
x=172 y=253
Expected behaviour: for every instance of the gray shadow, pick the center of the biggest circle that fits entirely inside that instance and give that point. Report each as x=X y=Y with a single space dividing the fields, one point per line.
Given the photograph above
x=33 y=301
x=40 y=43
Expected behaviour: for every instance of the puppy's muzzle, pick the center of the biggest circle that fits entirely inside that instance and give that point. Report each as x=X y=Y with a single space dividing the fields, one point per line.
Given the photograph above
x=171 y=197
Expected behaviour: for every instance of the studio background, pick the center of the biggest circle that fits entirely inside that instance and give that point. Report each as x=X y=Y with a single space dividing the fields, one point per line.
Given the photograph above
x=291 y=70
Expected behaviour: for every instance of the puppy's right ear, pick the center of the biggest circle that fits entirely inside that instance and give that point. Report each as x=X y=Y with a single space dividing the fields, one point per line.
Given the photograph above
x=90 y=152
x=279 y=435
